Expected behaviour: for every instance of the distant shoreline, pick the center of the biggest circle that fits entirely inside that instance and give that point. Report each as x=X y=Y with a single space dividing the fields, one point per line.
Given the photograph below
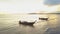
x=29 y=13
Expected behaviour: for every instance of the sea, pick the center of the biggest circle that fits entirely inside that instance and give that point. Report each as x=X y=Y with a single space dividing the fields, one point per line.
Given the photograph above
x=9 y=24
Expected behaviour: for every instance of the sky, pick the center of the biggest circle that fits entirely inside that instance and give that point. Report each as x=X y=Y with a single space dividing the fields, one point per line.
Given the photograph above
x=52 y=2
x=27 y=6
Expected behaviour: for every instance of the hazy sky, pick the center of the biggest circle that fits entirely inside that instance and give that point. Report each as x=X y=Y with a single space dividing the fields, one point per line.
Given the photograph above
x=24 y=6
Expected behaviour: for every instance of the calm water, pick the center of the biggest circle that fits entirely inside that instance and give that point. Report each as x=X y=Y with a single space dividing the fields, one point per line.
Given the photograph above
x=9 y=25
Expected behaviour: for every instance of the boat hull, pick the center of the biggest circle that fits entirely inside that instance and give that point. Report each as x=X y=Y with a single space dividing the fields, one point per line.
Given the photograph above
x=26 y=23
x=43 y=18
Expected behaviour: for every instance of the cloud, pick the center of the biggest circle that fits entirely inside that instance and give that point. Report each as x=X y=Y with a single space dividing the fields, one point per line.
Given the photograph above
x=20 y=6
x=51 y=2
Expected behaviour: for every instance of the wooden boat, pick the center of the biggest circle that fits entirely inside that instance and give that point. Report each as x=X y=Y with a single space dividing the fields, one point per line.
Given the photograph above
x=43 y=18
x=26 y=23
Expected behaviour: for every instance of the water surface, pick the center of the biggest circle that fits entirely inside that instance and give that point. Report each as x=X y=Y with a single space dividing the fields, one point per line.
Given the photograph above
x=9 y=24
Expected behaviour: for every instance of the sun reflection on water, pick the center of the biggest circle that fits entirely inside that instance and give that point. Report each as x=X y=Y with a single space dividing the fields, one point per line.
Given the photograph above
x=53 y=19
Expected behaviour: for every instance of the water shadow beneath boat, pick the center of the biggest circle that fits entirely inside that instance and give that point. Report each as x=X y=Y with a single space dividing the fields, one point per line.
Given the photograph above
x=26 y=25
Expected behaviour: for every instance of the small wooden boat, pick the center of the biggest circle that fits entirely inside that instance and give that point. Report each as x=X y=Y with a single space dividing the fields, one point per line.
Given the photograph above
x=43 y=18
x=26 y=23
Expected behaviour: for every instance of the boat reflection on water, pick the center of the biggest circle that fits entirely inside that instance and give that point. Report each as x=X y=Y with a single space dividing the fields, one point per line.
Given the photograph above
x=26 y=25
